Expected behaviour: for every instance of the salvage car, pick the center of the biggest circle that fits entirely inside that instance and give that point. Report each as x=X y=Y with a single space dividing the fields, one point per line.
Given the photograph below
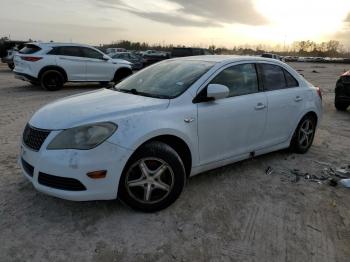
x=53 y=64
x=142 y=140
x=342 y=92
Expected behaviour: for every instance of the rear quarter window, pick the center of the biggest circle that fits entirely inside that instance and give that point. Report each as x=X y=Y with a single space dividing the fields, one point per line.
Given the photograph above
x=273 y=77
x=29 y=49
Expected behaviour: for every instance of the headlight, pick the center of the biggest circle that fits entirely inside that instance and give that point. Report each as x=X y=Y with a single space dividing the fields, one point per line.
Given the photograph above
x=83 y=137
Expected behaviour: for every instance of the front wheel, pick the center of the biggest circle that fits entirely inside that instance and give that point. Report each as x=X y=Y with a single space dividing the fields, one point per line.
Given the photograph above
x=11 y=66
x=153 y=178
x=304 y=135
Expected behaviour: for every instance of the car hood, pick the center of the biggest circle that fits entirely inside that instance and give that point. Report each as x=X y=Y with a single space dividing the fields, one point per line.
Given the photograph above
x=96 y=106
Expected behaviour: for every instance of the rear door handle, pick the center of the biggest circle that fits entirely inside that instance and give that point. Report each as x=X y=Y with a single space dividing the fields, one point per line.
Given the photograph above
x=298 y=99
x=260 y=106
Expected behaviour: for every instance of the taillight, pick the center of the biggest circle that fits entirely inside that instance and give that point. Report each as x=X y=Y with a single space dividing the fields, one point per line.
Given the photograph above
x=319 y=92
x=31 y=58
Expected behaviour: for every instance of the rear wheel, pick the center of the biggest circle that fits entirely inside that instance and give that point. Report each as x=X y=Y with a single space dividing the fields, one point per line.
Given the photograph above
x=52 y=80
x=153 y=178
x=304 y=135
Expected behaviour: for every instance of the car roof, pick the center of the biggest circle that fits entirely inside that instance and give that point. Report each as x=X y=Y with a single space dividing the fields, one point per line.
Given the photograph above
x=52 y=44
x=226 y=58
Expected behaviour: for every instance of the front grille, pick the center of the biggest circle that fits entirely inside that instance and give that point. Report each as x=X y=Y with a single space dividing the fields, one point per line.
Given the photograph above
x=28 y=168
x=34 y=137
x=59 y=182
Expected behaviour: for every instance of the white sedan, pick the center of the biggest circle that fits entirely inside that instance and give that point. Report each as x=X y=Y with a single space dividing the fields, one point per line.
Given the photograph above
x=143 y=139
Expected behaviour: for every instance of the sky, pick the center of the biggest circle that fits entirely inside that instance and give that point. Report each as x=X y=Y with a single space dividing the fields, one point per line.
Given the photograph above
x=186 y=22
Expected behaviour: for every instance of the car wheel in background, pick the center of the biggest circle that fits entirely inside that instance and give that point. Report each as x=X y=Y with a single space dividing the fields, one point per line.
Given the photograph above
x=341 y=106
x=153 y=178
x=304 y=135
x=52 y=80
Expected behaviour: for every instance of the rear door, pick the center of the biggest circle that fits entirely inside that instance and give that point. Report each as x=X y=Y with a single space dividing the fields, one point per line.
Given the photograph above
x=70 y=58
x=232 y=126
x=285 y=102
x=97 y=69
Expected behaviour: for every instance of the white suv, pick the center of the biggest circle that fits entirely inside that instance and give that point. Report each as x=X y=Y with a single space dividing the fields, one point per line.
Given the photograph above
x=53 y=64
x=141 y=140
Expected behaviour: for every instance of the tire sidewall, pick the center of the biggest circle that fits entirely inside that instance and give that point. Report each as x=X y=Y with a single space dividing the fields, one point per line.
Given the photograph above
x=167 y=154
x=51 y=73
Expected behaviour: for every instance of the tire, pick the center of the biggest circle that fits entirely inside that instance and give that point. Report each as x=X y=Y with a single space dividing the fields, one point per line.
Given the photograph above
x=340 y=106
x=304 y=134
x=11 y=66
x=52 y=80
x=153 y=178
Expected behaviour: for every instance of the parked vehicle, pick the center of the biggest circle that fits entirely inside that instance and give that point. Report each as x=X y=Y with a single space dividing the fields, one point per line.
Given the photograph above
x=342 y=92
x=8 y=59
x=272 y=56
x=53 y=64
x=154 y=53
x=136 y=61
x=111 y=51
x=291 y=58
x=188 y=51
x=142 y=140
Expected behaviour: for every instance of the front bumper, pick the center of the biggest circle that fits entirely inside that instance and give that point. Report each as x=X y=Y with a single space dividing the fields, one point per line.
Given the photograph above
x=74 y=165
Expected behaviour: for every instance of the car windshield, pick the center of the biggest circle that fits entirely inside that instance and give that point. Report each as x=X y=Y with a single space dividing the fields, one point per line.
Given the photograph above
x=167 y=79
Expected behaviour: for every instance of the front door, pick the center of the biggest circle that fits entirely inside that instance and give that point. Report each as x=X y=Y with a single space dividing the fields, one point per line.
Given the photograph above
x=234 y=125
x=97 y=69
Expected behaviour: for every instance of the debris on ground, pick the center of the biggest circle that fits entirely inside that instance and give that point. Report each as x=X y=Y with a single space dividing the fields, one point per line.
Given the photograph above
x=345 y=182
x=314 y=71
x=329 y=174
x=269 y=171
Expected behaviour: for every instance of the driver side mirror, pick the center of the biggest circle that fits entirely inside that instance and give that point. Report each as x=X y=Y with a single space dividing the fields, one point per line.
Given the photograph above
x=217 y=91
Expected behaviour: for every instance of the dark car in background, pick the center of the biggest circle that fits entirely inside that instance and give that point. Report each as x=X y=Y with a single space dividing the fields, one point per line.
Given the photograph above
x=136 y=60
x=189 y=51
x=342 y=92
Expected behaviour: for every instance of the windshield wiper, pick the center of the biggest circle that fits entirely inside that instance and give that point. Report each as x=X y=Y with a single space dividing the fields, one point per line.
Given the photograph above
x=135 y=92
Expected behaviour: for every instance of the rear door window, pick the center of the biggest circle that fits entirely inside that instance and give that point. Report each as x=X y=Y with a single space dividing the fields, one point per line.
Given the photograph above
x=66 y=51
x=29 y=49
x=240 y=79
x=272 y=77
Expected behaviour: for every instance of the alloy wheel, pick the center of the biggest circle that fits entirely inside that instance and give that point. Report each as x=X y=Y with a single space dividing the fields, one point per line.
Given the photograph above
x=306 y=133
x=149 y=180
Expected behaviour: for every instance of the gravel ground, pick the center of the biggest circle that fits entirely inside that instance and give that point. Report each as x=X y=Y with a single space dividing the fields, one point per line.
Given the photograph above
x=235 y=213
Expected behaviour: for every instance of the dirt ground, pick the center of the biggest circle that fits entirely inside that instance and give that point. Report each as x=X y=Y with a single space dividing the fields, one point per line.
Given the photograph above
x=235 y=213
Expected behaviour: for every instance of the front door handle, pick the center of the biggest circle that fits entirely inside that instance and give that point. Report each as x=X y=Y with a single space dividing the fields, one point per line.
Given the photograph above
x=260 y=106
x=298 y=99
